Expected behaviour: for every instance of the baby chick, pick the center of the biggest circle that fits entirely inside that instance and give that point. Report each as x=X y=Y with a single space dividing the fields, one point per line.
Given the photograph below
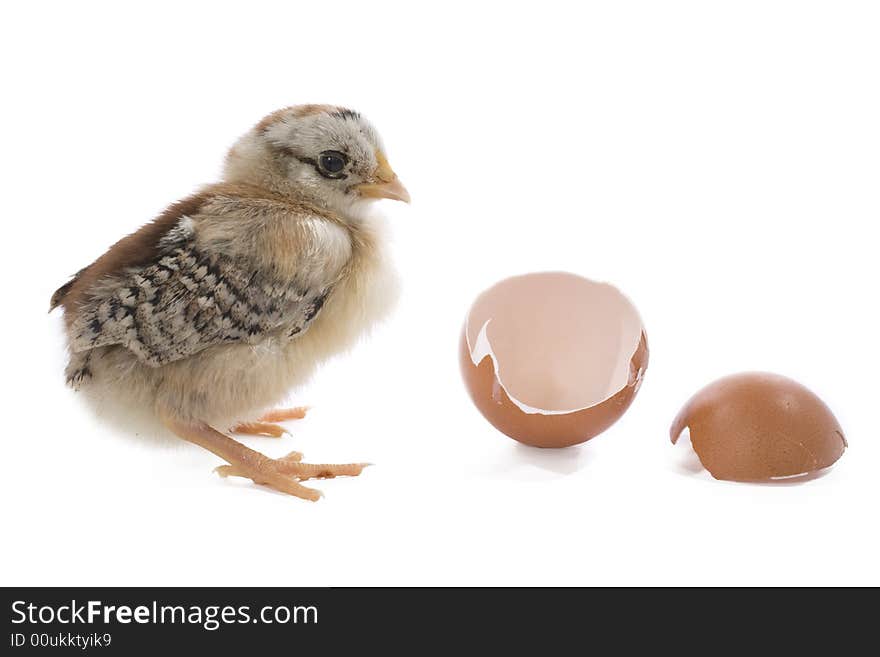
x=209 y=315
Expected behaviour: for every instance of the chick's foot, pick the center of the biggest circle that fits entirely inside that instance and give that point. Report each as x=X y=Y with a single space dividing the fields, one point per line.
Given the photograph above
x=283 y=475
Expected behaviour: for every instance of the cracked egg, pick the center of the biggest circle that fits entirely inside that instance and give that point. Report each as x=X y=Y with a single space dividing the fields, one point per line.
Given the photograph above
x=552 y=359
x=757 y=426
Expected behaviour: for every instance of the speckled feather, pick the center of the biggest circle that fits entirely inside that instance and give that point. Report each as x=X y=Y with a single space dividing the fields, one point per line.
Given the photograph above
x=187 y=300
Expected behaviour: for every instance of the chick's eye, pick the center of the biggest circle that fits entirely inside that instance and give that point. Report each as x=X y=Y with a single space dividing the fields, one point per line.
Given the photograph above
x=332 y=162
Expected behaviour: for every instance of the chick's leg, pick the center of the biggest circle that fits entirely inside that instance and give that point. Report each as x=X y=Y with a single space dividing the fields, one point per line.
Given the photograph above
x=282 y=474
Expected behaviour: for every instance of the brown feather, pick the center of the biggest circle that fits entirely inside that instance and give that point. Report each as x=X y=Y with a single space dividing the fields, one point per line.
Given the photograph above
x=131 y=251
x=61 y=292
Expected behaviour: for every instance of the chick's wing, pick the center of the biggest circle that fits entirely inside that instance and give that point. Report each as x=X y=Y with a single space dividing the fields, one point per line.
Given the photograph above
x=182 y=300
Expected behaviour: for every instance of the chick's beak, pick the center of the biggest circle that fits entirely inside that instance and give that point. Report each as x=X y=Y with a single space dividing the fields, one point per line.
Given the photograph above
x=387 y=183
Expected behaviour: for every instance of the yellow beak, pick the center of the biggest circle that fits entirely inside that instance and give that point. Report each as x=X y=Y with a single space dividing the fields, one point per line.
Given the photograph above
x=388 y=185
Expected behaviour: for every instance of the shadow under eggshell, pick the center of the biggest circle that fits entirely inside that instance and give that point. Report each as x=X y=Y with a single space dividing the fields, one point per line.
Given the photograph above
x=758 y=426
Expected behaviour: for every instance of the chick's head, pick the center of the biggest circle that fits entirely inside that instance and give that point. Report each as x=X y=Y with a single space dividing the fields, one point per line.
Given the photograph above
x=326 y=154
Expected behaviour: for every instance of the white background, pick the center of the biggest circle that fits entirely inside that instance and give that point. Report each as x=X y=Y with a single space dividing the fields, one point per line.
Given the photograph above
x=718 y=162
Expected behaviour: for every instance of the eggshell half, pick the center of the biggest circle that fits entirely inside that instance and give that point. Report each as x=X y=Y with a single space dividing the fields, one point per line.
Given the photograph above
x=757 y=426
x=552 y=359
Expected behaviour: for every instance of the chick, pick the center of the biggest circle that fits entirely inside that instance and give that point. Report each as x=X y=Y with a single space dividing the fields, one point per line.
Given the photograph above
x=211 y=313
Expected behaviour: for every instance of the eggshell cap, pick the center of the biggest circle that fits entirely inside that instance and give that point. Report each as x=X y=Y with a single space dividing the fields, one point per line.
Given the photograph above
x=757 y=426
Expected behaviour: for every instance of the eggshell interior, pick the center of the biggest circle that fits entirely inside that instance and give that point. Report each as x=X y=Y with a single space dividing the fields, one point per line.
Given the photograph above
x=757 y=426
x=552 y=359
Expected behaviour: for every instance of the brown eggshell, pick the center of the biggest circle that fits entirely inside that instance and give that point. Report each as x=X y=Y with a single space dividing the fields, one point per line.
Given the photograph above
x=757 y=426
x=560 y=366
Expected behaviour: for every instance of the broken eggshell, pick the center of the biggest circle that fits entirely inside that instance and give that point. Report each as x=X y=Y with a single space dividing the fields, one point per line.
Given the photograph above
x=552 y=359
x=757 y=426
